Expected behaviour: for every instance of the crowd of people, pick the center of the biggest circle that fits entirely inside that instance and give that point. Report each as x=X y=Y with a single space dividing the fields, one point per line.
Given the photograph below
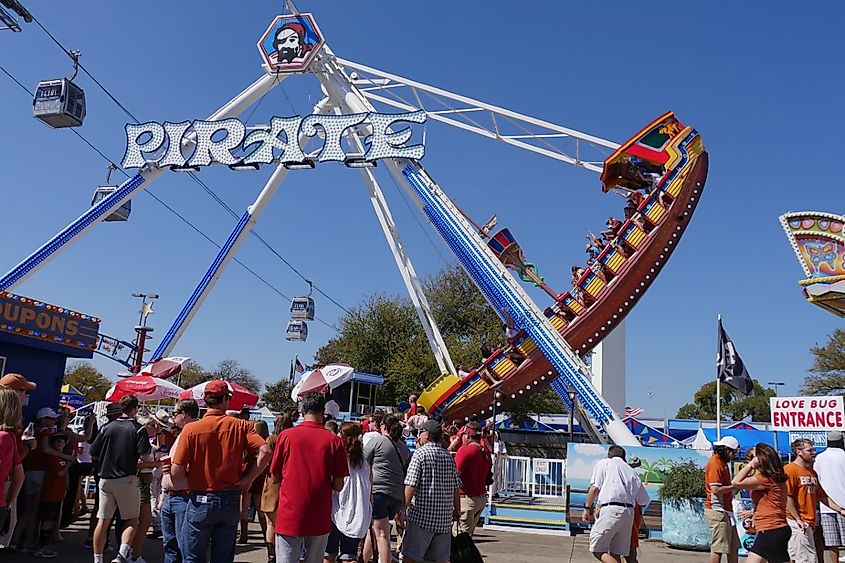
x=321 y=490
x=799 y=507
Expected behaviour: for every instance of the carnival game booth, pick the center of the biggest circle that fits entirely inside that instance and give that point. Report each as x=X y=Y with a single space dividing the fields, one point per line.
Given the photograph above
x=36 y=339
x=358 y=395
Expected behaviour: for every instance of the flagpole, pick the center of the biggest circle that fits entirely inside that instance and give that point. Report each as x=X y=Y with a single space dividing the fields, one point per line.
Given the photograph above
x=718 y=386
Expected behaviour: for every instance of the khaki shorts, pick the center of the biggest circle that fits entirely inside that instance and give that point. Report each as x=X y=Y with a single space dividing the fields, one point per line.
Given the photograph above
x=802 y=543
x=723 y=536
x=471 y=509
x=123 y=494
x=612 y=531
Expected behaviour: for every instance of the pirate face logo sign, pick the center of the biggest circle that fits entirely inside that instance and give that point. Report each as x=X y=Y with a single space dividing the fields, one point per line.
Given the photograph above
x=290 y=43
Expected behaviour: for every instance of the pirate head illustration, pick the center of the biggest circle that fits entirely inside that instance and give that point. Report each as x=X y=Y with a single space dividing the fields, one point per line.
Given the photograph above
x=290 y=43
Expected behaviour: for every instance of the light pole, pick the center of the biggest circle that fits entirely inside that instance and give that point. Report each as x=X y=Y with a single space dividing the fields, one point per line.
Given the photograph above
x=776 y=384
x=142 y=329
x=493 y=490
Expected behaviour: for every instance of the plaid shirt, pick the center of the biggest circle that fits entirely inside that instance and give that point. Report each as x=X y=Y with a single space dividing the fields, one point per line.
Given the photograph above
x=432 y=471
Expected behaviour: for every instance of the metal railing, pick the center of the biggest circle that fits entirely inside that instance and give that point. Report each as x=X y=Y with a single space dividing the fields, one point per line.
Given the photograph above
x=548 y=478
x=533 y=477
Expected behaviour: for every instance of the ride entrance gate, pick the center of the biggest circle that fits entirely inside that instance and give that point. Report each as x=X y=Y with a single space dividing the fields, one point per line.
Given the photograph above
x=293 y=44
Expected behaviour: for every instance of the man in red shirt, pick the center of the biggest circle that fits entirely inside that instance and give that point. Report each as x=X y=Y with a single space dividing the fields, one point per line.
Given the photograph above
x=208 y=463
x=474 y=465
x=311 y=463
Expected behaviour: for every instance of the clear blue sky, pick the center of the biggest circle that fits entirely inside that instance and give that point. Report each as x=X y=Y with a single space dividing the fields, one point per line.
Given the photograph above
x=763 y=86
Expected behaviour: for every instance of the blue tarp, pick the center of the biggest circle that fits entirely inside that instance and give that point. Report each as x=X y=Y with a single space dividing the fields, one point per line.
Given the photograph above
x=750 y=438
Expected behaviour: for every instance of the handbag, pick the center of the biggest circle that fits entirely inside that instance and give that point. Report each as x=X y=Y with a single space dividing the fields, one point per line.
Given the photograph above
x=464 y=550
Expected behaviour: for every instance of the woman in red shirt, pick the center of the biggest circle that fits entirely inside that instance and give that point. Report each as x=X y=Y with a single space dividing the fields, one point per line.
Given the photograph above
x=768 y=491
x=11 y=471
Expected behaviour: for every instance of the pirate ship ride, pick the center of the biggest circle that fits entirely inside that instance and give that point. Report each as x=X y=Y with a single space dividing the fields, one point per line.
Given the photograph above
x=663 y=168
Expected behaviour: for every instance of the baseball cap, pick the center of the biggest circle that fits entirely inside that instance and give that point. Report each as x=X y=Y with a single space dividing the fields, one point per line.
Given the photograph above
x=217 y=388
x=46 y=412
x=17 y=382
x=834 y=436
x=431 y=426
x=728 y=442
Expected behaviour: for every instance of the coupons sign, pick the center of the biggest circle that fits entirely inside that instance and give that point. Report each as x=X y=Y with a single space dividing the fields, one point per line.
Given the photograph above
x=807 y=413
x=819 y=439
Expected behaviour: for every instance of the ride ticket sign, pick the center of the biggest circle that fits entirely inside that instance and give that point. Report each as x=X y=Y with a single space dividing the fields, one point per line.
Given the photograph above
x=807 y=413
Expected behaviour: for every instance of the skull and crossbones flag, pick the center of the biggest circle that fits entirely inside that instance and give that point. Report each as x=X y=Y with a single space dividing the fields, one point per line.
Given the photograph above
x=729 y=366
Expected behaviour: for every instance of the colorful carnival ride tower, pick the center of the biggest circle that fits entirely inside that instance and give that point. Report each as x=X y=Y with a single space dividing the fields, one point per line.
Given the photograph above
x=818 y=241
x=660 y=172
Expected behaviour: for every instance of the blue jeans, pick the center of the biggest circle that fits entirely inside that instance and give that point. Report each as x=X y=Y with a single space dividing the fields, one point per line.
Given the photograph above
x=211 y=519
x=172 y=517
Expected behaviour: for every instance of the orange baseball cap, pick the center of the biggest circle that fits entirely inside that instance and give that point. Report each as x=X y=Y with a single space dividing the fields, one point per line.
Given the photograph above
x=17 y=382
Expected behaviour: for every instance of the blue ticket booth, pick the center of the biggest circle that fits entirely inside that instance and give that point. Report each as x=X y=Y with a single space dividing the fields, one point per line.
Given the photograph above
x=36 y=339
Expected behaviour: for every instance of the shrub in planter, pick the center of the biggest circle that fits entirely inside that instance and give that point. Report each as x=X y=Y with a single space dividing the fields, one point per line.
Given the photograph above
x=683 y=507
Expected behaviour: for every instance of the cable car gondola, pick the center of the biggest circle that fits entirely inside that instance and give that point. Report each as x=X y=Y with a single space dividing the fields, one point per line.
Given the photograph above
x=297 y=331
x=60 y=102
x=121 y=213
x=302 y=308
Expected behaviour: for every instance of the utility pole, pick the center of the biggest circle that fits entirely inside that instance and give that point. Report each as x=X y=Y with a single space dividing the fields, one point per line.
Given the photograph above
x=142 y=329
x=776 y=385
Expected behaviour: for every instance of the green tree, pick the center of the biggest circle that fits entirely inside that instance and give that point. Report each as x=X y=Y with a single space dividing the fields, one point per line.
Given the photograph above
x=735 y=405
x=384 y=336
x=192 y=374
x=231 y=370
x=277 y=396
x=545 y=402
x=827 y=374
x=88 y=380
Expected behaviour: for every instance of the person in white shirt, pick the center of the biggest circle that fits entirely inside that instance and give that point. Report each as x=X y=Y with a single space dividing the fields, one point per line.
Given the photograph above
x=332 y=408
x=617 y=487
x=830 y=467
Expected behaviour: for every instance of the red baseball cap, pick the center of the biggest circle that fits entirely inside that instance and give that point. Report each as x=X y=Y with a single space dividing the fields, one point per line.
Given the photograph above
x=217 y=388
x=17 y=382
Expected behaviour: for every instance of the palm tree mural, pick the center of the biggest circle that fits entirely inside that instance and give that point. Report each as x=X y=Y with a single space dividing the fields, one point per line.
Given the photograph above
x=651 y=472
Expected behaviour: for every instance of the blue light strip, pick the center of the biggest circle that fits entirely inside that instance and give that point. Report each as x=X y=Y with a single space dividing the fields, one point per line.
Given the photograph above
x=94 y=214
x=202 y=287
x=500 y=294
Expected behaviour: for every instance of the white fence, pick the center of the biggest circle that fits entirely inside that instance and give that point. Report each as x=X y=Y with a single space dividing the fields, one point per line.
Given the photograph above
x=535 y=477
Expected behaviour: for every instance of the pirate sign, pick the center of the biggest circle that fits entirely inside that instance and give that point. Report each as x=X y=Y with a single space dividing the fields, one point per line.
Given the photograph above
x=290 y=43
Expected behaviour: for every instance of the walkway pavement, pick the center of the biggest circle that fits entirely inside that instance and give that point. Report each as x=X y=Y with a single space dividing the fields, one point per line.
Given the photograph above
x=496 y=547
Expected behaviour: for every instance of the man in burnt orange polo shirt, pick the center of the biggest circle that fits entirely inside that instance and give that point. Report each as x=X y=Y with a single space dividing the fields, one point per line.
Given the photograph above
x=208 y=464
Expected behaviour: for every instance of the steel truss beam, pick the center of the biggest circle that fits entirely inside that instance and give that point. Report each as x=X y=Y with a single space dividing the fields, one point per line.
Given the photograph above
x=346 y=97
x=487 y=120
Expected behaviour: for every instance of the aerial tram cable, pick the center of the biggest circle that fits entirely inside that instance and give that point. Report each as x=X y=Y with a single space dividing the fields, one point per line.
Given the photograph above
x=199 y=181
